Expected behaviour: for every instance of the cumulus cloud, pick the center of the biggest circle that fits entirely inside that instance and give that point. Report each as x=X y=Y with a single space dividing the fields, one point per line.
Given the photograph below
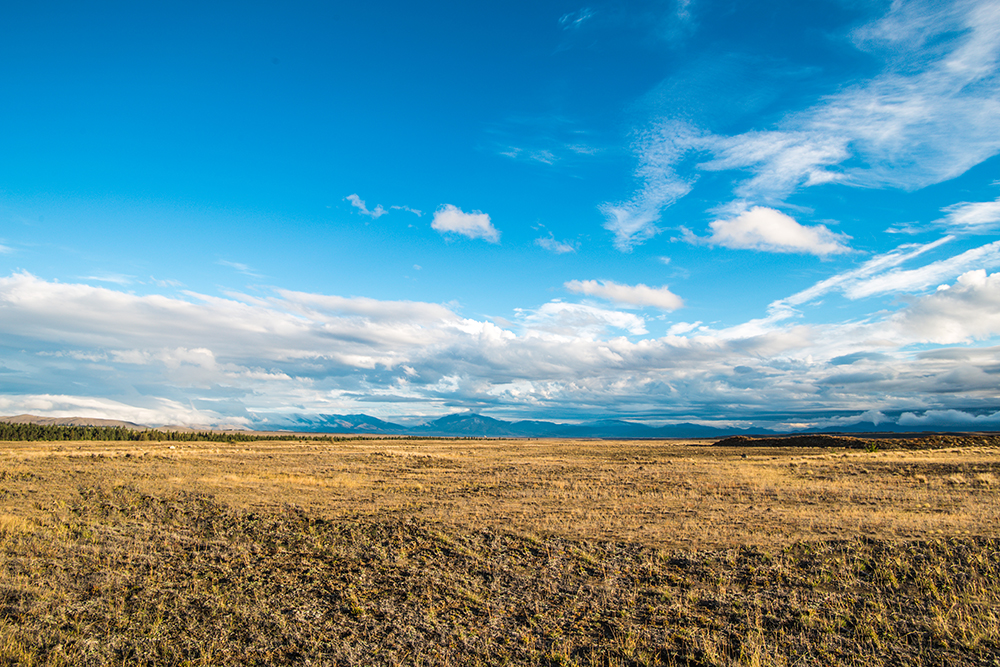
x=359 y=203
x=476 y=225
x=874 y=417
x=195 y=358
x=627 y=295
x=766 y=229
x=935 y=418
x=966 y=311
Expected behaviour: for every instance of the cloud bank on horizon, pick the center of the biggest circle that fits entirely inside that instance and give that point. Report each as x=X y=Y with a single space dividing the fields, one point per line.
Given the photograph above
x=831 y=222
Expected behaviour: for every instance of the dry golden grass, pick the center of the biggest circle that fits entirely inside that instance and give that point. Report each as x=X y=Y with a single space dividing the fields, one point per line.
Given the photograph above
x=520 y=552
x=671 y=494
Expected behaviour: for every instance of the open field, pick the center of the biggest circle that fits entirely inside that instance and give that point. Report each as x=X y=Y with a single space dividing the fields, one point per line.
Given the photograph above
x=372 y=551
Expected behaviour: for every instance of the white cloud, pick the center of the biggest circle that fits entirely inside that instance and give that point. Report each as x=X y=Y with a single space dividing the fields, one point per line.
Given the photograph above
x=575 y=19
x=967 y=311
x=935 y=418
x=583 y=149
x=166 y=282
x=544 y=156
x=116 y=278
x=552 y=245
x=358 y=203
x=857 y=281
x=475 y=225
x=763 y=228
x=898 y=280
x=196 y=358
x=627 y=295
x=782 y=161
x=581 y=321
x=414 y=211
x=874 y=417
x=681 y=328
x=933 y=113
x=239 y=266
x=929 y=116
x=973 y=216
x=634 y=222
x=156 y=412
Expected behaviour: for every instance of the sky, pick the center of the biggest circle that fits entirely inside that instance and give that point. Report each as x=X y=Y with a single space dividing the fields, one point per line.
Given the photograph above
x=736 y=213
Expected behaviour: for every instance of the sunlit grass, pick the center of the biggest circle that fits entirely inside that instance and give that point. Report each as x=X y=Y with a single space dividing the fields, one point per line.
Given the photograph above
x=497 y=552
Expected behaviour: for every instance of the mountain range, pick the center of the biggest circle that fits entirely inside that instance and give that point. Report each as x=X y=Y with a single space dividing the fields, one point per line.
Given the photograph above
x=480 y=426
x=476 y=425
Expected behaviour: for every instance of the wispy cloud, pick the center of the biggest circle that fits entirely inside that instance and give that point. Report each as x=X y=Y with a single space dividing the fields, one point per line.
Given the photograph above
x=928 y=117
x=239 y=266
x=450 y=219
x=627 y=295
x=782 y=161
x=359 y=203
x=634 y=222
x=681 y=328
x=575 y=19
x=684 y=9
x=551 y=140
x=408 y=209
x=116 y=278
x=166 y=282
x=858 y=280
x=902 y=281
x=882 y=275
x=558 y=247
x=978 y=217
x=577 y=321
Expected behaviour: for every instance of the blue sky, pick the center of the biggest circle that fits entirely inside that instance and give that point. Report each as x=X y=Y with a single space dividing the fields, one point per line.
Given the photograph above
x=726 y=212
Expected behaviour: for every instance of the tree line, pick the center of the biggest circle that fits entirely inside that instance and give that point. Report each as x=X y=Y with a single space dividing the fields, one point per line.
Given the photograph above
x=10 y=432
x=27 y=432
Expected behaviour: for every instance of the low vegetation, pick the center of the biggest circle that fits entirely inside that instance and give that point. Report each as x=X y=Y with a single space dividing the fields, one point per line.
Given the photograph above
x=458 y=552
x=29 y=432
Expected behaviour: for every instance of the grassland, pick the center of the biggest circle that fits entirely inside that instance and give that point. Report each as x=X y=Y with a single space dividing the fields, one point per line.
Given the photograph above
x=493 y=552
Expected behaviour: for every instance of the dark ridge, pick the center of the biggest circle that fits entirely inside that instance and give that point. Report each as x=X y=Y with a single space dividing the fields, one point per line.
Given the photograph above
x=795 y=441
x=893 y=441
